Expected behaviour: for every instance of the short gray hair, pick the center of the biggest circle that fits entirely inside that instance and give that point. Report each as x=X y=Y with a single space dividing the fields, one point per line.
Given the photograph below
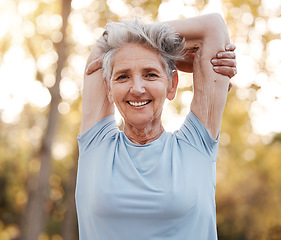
x=156 y=36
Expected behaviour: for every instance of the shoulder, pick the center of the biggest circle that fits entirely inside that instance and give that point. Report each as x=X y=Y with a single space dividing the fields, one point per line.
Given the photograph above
x=101 y=131
x=194 y=133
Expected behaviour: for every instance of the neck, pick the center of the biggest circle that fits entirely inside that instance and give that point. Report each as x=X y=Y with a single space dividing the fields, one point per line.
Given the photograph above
x=142 y=136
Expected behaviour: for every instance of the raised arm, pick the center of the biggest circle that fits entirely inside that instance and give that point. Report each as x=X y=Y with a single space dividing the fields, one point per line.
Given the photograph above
x=206 y=35
x=95 y=104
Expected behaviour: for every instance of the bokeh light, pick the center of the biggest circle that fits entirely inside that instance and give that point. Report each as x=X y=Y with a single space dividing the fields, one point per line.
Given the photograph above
x=30 y=36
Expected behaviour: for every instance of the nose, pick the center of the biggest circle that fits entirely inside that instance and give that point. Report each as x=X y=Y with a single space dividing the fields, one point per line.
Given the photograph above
x=137 y=87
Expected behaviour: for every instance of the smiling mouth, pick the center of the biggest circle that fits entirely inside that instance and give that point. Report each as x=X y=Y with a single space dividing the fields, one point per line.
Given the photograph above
x=138 y=104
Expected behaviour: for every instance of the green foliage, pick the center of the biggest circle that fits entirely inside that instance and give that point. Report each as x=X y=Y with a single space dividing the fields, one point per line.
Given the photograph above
x=248 y=166
x=248 y=180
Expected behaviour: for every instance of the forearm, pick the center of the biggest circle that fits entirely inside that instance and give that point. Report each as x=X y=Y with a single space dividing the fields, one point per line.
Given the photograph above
x=195 y=30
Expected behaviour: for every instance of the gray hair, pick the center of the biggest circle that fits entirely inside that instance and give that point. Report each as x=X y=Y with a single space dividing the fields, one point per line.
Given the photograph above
x=156 y=36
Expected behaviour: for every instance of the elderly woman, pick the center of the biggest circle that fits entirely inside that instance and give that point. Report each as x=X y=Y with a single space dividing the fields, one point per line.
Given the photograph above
x=145 y=183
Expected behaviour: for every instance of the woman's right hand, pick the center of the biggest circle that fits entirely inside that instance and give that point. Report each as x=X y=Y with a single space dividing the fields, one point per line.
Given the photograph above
x=225 y=62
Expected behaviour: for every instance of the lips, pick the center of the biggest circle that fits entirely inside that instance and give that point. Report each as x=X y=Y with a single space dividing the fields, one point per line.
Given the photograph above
x=138 y=104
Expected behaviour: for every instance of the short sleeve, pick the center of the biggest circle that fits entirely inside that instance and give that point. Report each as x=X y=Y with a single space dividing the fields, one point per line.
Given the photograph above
x=104 y=129
x=195 y=133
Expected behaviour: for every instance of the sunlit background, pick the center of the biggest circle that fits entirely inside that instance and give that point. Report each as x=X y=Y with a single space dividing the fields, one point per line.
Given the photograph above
x=19 y=85
x=40 y=62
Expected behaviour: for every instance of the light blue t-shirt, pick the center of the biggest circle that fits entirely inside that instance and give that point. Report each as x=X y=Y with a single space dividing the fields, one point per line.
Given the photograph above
x=164 y=190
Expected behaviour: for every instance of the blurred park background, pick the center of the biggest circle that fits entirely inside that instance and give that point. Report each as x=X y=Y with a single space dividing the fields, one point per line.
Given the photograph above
x=44 y=45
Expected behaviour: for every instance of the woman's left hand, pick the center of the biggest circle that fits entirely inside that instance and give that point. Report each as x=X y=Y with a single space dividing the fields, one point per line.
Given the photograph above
x=225 y=62
x=93 y=66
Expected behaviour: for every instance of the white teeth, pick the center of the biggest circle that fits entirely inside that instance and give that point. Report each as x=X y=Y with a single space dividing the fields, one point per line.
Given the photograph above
x=138 y=104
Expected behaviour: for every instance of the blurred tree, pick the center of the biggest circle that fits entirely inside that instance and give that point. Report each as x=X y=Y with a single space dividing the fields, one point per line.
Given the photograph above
x=248 y=164
x=33 y=219
x=248 y=167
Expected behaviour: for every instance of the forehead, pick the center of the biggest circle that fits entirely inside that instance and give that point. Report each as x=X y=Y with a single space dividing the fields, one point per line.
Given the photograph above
x=134 y=56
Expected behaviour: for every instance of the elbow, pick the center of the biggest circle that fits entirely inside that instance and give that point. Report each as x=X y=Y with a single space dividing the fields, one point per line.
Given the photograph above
x=215 y=20
x=217 y=29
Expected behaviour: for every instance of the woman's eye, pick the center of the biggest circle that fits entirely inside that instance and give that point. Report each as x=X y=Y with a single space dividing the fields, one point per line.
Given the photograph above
x=152 y=75
x=122 y=77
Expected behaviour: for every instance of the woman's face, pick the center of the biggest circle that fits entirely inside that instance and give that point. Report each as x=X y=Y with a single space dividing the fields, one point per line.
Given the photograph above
x=139 y=85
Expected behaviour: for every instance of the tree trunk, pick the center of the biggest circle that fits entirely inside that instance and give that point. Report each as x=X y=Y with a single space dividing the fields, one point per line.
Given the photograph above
x=34 y=216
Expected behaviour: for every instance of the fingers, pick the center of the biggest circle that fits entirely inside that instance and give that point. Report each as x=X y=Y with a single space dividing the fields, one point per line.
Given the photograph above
x=227 y=54
x=94 y=66
x=226 y=67
x=230 y=47
x=226 y=62
x=226 y=71
x=229 y=86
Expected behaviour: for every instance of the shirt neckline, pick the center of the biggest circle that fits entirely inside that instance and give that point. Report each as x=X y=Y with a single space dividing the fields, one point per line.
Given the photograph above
x=129 y=142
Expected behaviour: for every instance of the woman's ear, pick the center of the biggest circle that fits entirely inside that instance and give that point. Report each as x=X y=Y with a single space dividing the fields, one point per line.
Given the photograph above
x=108 y=92
x=172 y=90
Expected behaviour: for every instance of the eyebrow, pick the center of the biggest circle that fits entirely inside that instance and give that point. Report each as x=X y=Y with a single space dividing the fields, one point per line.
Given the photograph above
x=121 y=71
x=151 y=69
x=127 y=70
